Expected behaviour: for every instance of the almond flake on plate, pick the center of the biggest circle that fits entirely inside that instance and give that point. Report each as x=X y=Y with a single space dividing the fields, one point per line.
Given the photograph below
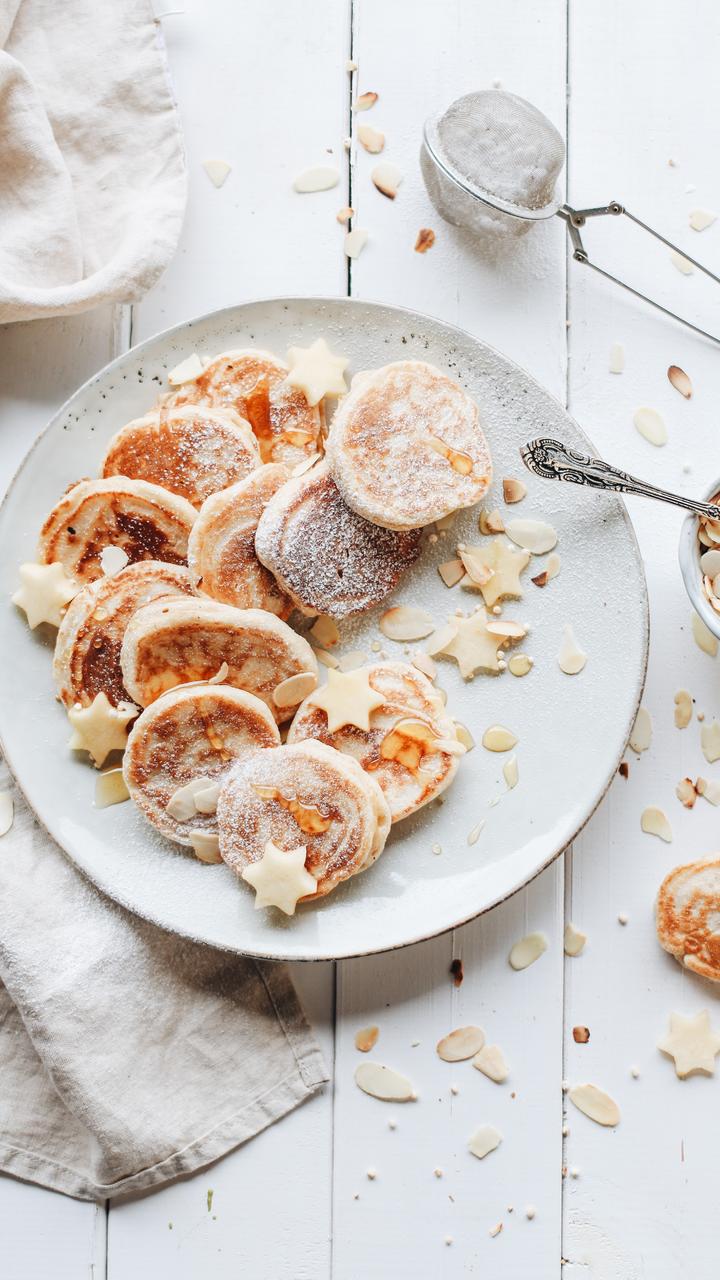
x=424 y=663
x=292 y=691
x=365 y=101
x=366 y=1038
x=595 y=1104
x=513 y=490
x=683 y=709
x=351 y=660
x=710 y=741
x=678 y=379
x=460 y=1044
x=7 y=812
x=113 y=560
x=641 y=735
x=404 y=622
x=387 y=178
x=571 y=658
x=535 y=536
x=186 y=371
x=206 y=846
x=574 y=940
x=651 y=426
x=616 y=363
x=701 y=219
x=451 y=572
x=511 y=773
x=655 y=823
x=708 y=790
x=371 y=139
x=383 y=1083
x=527 y=950
x=552 y=565
x=474 y=835
x=440 y=638
x=425 y=240
x=519 y=664
x=495 y=1231
x=485 y=1139
x=320 y=178
x=355 y=242
x=325 y=658
x=498 y=738
x=491 y=522
x=491 y=1062
x=345 y=214
x=686 y=792
x=217 y=171
x=682 y=263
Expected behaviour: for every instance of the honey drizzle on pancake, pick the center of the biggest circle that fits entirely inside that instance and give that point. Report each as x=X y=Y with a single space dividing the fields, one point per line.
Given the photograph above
x=257 y=409
x=308 y=817
x=460 y=462
x=407 y=742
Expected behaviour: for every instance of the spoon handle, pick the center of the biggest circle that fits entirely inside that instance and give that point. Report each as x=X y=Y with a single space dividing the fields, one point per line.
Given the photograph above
x=554 y=460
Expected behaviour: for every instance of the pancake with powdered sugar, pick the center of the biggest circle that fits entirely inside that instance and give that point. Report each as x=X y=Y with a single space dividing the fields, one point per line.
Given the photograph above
x=687 y=916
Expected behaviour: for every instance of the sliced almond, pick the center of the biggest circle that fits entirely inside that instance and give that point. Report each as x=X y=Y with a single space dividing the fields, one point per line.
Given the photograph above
x=474 y=561
x=441 y=638
x=325 y=658
x=520 y=664
x=535 y=536
x=186 y=371
x=424 y=663
x=371 y=139
x=552 y=565
x=616 y=363
x=352 y=660
x=325 y=631
x=683 y=708
x=595 y=1104
x=7 y=811
x=365 y=101
x=181 y=805
x=345 y=214
x=301 y=467
x=355 y=242
x=464 y=736
x=290 y=692
x=475 y=833
x=686 y=268
x=680 y=381
x=686 y=793
x=217 y=171
x=701 y=219
x=571 y=658
x=460 y=1044
x=527 y=950
x=511 y=773
x=451 y=572
x=425 y=240
x=710 y=741
x=491 y=522
x=651 y=426
x=404 y=622
x=320 y=178
x=641 y=735
x=387 y=178
x=581 y=1035
x=491 y=1062
x=709 y=791
x=513 y=490
x=655 y=823
x=574 y=940
x=113 y=560
x=509 y=629
x=366 y=1038
x=206 y=847
x=540 y=579
x=484 y=1140
x=383 y=1083
x=498 y=738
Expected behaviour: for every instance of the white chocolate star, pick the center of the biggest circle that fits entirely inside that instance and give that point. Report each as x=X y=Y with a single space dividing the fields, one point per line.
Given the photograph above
x=315 y=371
x=502 y=563
x=476 y=641
x=280 y=878
x=347 y=698
x=44 y=591
x=100 y=728
x=692 y=1044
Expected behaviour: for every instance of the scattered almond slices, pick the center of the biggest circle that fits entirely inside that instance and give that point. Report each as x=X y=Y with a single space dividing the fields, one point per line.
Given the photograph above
x=513 y=490
x=7 y=812
x=217 y=171
x=571 y=658
x=366 y=1038
x=485 y=1139
x=404 y=622
x=710 y=563
x=458 y=1045
x=683 y=708
x=365 y=101
x=498 y=738
x=321 y=178
x=491 y=521
x=181 y=805
x=387 y=178
x=491 y=1062
x=371 y=139
x=535 y=536
x=474 y=834
x=703 y=636
x=595 y=1104
x=345 y=214
x=425 y=240
x=383 y=1083
x=112 y=560
x=641 y=735
x=186 y=371
x=701 y=219
x=616 y=363
x=451 y=572
x=686 y=792
x=511 y=773
x=355 y=242
x=710 y=791
x=574 y=940
x=654 y=822
x=527 y=950
x=678 y=379
x=206 y=847
x=424 y=663
x=651 y=426
x=325 y=658
x=292 y=691
x=552 y=565
x=685 y=267
x=710 y=741
x=351 y=660
x=325 y=631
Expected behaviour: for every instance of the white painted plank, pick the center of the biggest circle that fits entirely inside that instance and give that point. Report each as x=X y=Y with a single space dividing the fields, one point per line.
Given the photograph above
x=517 y=302
x=644 y=90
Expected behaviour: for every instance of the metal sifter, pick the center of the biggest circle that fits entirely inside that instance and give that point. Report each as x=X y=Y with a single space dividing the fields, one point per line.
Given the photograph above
x=490 y=164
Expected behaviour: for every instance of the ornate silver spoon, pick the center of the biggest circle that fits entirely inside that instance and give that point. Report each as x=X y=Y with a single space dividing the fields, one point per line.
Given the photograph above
x=554 y=460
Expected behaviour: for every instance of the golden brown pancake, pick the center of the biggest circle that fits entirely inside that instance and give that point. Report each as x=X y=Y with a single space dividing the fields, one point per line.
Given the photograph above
x=324 y=556
x=147 y=522
x=687 y=916
x=221 y=550
x=308 y=795
x=87 y=651
x=192 y=450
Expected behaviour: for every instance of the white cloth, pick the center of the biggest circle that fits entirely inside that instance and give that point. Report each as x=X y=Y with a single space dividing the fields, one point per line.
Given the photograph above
x=92 y=167
x=128 y=1055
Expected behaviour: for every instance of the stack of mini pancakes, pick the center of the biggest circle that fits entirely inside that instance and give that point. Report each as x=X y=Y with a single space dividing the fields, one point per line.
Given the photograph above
x=228 y=508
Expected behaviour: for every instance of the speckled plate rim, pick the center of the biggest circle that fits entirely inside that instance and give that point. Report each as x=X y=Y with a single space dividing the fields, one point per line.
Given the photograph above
x=512 y=887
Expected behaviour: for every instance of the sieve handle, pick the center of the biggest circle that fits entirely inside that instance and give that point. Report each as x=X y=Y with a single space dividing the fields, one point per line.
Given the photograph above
x=576 y=218
x=554 y=460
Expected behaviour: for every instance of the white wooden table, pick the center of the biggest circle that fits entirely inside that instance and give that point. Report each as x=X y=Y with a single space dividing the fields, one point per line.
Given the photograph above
x=634 y=86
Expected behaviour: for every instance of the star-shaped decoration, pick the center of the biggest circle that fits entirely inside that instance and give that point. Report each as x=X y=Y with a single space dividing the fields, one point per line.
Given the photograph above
x=280 y=878
x=100 y=728
x=494 y=570
x=347 y=698
x=474 y=642
x=44 y=591
x=315 y=371
x=692 y=1043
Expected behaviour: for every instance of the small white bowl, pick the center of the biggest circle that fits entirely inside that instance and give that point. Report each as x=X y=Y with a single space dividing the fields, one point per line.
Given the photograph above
x=689 y=552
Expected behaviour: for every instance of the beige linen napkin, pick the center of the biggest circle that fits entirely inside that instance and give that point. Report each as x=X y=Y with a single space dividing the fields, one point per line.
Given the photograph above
x=92 y=169
x=128 y=1055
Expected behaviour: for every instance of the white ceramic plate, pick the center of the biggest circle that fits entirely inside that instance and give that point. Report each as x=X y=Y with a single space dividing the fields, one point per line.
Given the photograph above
x=572 y=730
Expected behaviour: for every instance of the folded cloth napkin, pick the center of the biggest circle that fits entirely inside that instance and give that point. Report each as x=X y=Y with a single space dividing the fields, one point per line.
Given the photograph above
x=92 y=169
x=128 y=1055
